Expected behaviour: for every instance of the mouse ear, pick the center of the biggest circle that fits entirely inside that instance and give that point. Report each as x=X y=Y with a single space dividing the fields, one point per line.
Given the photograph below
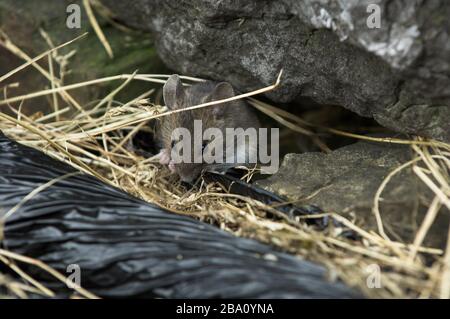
x=173 y=92
x=222 y=91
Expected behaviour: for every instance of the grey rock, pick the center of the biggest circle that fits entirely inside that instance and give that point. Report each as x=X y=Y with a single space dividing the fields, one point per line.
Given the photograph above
x=397 y=74
x=346 y=180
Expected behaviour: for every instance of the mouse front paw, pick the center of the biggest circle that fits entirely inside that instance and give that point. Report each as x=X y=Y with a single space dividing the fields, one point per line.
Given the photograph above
x=164 y=156
x=164 y=159
x=172 y=166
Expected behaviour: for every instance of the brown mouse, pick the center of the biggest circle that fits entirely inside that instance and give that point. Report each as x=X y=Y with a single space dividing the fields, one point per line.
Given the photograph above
x=231 y=115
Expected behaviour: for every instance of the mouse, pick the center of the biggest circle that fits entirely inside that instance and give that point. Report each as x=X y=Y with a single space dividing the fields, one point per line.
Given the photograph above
x=229 y=115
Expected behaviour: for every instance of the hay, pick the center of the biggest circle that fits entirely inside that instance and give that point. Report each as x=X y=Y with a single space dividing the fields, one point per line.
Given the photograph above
x=97 y=29
x=94 y=140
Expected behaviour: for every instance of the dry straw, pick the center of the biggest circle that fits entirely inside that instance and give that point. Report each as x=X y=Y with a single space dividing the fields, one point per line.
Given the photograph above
x=94 y=140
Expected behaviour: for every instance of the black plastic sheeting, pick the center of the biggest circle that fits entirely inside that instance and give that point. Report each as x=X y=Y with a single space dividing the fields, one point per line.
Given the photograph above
x=129 y=248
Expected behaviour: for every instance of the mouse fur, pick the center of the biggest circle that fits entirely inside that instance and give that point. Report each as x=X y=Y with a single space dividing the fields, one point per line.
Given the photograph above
x=234 y=114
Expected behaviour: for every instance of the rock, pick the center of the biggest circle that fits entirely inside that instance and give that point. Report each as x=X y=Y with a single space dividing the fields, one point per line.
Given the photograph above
x=397 y=74
x=346 y=180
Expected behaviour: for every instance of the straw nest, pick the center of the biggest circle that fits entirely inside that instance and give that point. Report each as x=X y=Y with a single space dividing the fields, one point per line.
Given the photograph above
x=94 y=139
